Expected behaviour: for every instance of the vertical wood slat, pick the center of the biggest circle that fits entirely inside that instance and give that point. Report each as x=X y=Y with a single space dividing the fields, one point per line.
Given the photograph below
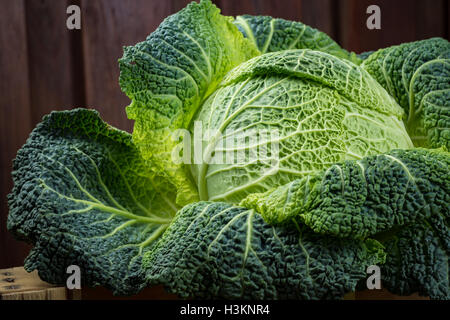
x=59 y=293
x=15 y=121
x=430 y=19
x=401 y=21
x=54 y=80
x=177 y=5
x=321 y=14
x=447 y=18
x=107 y=26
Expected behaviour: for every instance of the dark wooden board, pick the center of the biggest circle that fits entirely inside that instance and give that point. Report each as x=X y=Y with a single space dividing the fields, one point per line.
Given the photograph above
x=401 y=21
x=54 y=67
x=321 y=14
x=107 y=26
x=447 y=18
x=15 y=120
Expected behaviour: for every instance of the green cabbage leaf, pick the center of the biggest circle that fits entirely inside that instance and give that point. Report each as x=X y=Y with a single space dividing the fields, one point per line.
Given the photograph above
x=323 y=109
x=84 y=196
x=274 y=34
x=401 y=198
x=417 y=75
x=170 y=74
x=215 y=250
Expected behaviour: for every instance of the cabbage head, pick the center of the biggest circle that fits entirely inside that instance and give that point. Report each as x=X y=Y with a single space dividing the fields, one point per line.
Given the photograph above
x=265 y=162
x=315 y=110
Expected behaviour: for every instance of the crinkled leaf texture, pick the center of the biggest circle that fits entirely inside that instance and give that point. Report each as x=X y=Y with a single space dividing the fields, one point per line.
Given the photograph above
x=169 y=75
x=324 y=110
x=274 y=34
x=402 y=198
x=417 y=75
x=94 y=196
x=83 y=195
x=216 y=250
x=417 y=258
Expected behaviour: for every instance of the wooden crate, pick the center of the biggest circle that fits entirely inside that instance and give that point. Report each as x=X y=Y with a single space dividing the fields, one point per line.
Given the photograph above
x=17 y=284
x=384 y=294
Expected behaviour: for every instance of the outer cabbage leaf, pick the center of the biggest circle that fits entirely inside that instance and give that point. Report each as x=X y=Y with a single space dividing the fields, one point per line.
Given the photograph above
x=363 y=197
x=417 y=75
x=418 y=257
x=364 y=55
x=83 y=195
x=324 y=109
x=215 y=250
x=169 y=75
x=273 y=34
x=402 y=198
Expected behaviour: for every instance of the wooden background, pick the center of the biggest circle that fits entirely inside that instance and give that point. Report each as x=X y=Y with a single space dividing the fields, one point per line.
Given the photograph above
x=44 y=66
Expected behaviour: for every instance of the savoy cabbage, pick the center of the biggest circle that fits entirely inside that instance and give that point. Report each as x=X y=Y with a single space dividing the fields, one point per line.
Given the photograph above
x=316 y=103
x=360 y=175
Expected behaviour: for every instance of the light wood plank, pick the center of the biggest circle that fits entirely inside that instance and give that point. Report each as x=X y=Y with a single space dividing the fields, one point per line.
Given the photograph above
x=59 y=293
x=18 y=280
x=11 y=296
x=35 y=295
